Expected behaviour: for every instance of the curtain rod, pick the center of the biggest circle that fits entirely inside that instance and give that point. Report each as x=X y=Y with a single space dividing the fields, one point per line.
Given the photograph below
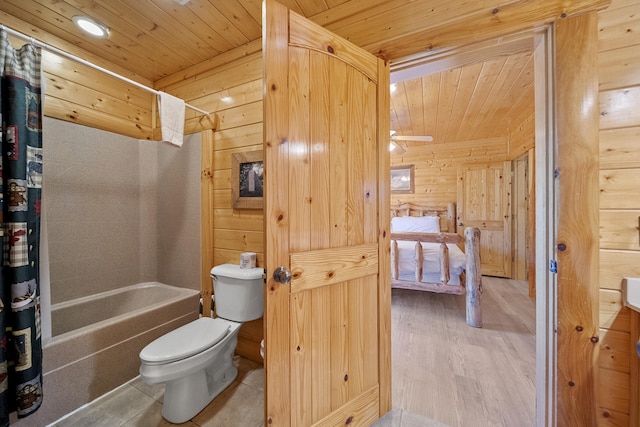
x=89 y=64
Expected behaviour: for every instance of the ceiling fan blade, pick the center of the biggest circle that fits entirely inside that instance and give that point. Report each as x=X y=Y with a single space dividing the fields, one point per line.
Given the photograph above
x=396 y=148
x=421 y=138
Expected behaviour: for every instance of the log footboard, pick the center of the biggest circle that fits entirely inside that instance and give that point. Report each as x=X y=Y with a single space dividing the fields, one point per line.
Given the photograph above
x=472 y=275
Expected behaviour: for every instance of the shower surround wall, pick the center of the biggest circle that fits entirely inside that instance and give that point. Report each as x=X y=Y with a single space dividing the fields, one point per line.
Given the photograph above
x=119 y=211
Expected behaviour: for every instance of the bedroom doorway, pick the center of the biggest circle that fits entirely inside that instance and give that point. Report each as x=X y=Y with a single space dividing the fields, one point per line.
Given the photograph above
x=407 y=316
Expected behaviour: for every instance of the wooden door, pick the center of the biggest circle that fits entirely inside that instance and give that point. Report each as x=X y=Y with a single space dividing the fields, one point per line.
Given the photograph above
x=327 y=333
x=484 y=201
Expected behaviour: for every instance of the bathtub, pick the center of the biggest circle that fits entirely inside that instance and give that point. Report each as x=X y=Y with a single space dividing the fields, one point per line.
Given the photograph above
x=97 y=339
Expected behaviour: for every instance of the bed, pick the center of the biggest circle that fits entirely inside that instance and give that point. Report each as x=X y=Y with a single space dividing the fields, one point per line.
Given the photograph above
x=430 y=235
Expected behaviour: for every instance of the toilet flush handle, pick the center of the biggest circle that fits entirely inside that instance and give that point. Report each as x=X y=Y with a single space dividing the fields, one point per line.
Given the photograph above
x=282 y=275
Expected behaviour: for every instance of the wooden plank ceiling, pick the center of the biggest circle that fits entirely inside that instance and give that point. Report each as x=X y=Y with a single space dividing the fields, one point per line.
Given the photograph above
x=157 y=39
x=480 y=101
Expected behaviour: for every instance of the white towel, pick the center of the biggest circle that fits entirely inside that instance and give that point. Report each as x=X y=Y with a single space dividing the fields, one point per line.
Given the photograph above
x=171 y=118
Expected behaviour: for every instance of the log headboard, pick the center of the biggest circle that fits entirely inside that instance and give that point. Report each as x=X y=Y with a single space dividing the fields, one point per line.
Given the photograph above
x=447 y=214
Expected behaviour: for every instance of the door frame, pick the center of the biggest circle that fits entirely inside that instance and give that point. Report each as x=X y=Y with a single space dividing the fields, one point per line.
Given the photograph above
x=546 y=212
x=545 y=187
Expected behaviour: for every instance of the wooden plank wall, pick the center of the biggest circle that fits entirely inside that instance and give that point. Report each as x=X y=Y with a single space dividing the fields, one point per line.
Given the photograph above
x=436 y=168
x=522 y=136
x=230 y=86
x=436 y=165
x=619 y=75
x=79 y=94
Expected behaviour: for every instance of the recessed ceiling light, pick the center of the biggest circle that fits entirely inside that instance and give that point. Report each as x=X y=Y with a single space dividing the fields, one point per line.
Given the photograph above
x=91 y=26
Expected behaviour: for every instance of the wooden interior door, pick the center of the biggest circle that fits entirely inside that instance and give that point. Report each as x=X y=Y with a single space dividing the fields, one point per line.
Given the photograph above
x=484 y=201
x=327 y=332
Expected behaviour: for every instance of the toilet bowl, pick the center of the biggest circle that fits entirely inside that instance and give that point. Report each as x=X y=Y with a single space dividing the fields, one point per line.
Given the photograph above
x=195 y=361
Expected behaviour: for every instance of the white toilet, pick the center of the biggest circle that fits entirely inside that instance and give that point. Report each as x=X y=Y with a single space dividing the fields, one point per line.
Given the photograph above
x=196 y=360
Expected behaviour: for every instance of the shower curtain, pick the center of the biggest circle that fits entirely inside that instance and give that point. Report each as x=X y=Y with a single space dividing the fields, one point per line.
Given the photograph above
x=21 y=173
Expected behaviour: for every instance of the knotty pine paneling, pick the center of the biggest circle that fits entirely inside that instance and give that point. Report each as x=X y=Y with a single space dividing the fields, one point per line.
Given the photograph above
x=61 y=108
x=222 y=158
x=522 y=137
x=158 y=38
x=230 y=77
x=478 y=101
x=619 y=75
x=239 y=220
x=456 y=18
x=619 y=148
x=619 y=25
x=619 y=108
x=436 y=167
x=619 y=189
x=246 y=241
x=614 y=350
x=611 y=418
x=233 y=138
x=614 y=387
x=619 y=229
x=616 y=265
x=613 y=315
x=619 y=68
x=79 y=94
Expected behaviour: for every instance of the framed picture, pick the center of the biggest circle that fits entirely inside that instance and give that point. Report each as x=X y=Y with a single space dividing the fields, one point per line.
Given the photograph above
x=247 y=177
x=402 y=179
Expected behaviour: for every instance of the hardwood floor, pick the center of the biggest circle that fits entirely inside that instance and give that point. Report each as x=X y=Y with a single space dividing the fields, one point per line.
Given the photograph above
x=445 y=373
x=457 y=375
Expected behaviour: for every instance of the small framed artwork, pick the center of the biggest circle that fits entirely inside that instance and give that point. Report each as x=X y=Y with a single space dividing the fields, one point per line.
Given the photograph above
x=247 y=178
x=402 y=179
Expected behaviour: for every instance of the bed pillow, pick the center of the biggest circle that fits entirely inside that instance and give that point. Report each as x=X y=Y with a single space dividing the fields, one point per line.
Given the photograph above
x=415 y=224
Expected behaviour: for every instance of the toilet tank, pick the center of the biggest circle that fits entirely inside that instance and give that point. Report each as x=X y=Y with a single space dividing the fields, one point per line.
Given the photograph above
x=239 y=292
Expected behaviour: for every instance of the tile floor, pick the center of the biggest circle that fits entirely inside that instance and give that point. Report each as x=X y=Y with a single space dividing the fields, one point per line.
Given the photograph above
x=136 y=404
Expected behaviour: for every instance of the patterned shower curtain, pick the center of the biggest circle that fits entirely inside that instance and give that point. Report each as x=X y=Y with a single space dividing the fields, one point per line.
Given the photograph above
x=21 y=173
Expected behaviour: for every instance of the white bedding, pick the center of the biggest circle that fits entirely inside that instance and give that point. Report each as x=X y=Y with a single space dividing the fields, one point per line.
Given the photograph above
x=431 y=263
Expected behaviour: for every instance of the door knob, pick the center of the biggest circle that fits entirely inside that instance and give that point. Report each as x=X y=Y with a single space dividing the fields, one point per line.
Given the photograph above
x=282 y=275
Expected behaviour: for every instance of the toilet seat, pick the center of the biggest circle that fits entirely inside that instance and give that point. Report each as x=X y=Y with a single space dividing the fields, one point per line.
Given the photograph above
x=185 y=341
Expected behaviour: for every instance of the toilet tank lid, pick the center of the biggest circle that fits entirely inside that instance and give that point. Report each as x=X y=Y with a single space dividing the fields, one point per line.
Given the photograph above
x=234 y=271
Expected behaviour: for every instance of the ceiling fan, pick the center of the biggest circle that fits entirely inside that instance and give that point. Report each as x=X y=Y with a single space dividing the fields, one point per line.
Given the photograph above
x=397 y=148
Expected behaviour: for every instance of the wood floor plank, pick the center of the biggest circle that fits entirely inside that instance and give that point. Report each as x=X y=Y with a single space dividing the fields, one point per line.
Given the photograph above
x=451 y=373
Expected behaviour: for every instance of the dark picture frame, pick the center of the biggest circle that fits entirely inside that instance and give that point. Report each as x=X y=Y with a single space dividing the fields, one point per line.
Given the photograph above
x=247 y=180
x=403 y=179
